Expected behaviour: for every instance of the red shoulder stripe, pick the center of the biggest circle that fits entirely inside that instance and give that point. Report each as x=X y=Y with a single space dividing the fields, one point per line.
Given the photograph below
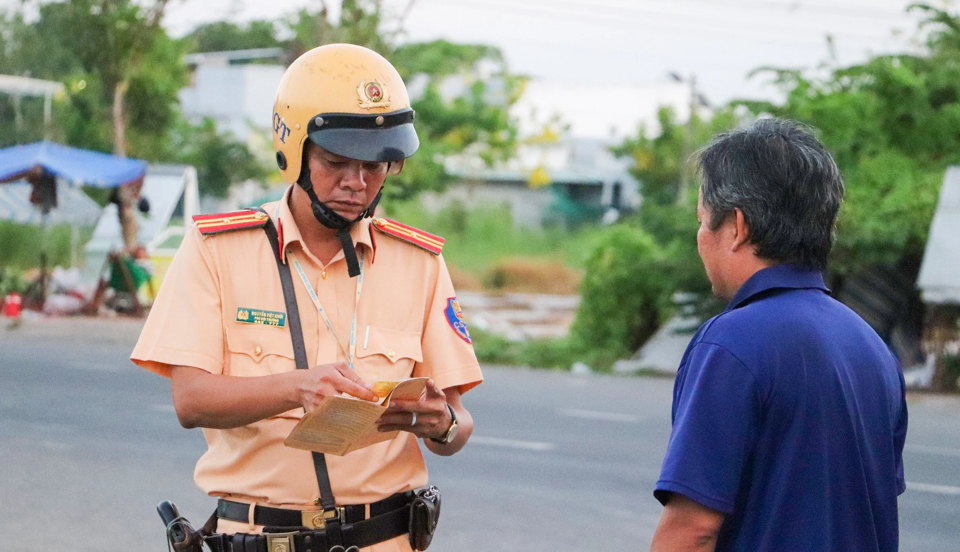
x=411 y=235
x=224 y=222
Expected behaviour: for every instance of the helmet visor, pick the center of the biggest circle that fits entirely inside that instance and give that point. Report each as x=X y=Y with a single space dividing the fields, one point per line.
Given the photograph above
x=384 y=138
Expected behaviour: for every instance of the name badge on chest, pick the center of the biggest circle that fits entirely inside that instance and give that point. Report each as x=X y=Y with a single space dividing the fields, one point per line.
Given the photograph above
x=262 y=317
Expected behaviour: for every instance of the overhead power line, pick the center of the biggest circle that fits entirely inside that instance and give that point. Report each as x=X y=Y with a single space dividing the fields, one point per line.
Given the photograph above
x=616 y=11
x=634 y=21
x=797 y=6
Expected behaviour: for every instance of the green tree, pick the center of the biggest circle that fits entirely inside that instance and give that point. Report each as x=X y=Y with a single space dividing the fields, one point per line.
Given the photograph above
x=222 y=36
x=121 y=70
x=475 y=122
x=220 y=159
x=893 y=125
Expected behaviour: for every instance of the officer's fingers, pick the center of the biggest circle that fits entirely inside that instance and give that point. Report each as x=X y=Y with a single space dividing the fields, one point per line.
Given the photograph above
x=348 y=373
x=387 y=428
x=399 y=405
x=433 y=391
x=395 y=418
x=358 y=390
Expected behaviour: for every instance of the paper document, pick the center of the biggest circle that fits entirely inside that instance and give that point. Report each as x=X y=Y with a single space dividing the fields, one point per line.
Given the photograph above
x=344 y=424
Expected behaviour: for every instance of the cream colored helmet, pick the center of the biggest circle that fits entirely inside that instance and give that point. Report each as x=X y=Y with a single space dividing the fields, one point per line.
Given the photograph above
x=347 y=99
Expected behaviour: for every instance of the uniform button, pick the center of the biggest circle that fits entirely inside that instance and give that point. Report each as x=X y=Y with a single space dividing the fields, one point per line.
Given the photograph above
x=257 y=351
x=391 y=353
x=323 y=274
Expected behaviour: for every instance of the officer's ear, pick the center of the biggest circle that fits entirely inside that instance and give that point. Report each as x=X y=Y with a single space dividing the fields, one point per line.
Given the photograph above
x=395 y=167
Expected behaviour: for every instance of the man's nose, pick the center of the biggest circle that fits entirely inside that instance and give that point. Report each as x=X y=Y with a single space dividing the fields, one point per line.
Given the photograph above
x=353 y=179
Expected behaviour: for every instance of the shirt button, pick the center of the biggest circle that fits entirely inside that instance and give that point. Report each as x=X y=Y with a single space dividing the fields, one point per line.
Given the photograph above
x=391 y=353
x=323 y=274
x=257 y=351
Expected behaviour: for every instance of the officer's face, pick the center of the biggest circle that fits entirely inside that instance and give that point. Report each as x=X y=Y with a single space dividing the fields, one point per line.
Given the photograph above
x=346 y=185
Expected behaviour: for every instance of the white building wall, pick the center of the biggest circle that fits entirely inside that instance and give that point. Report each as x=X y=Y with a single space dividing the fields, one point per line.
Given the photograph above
x=235 y=96
x=527 y=205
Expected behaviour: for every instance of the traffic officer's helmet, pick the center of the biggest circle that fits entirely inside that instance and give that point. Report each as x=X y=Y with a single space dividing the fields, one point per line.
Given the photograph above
x=347 y=99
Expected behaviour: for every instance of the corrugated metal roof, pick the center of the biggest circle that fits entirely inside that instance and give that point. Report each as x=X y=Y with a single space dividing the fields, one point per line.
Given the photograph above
x=939 y=278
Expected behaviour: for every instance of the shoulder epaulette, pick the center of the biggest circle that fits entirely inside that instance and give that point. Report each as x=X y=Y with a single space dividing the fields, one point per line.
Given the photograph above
x=224 y=222
x=409 y=234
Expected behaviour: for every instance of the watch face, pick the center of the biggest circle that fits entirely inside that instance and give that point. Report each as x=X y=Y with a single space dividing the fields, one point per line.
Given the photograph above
x=452 y=433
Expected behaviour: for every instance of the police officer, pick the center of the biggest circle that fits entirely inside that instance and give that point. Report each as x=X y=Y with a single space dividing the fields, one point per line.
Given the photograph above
x=374 y=302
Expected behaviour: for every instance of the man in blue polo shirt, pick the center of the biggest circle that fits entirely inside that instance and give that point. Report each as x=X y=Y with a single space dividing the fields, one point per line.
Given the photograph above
x=789 y=415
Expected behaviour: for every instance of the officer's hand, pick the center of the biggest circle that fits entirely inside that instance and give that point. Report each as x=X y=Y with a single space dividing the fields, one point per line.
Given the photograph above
x=425 y=418
x=330 y=380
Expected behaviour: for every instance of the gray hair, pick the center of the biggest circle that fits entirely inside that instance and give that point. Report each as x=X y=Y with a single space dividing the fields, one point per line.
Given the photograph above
x=783 y=180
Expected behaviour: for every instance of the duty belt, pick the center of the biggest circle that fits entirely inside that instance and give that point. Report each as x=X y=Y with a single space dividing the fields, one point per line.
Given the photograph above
x=389 y=518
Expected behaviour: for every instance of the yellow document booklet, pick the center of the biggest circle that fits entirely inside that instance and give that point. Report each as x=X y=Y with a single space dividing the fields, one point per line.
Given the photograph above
x=344 y=424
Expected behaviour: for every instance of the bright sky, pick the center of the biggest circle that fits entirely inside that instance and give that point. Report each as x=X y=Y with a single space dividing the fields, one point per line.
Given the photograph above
x=632 y=41
x=628 y=42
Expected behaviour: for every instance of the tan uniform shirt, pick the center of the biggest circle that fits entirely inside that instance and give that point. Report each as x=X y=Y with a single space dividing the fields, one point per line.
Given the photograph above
x=403 y=330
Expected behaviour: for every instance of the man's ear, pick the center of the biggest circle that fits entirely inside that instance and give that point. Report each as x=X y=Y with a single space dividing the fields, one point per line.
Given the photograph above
x=395 y=167
x=741 y=231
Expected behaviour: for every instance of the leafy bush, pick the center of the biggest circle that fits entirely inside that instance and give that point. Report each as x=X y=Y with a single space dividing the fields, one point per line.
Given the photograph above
x=952 y=363
x=11 y=282
x=624 y=291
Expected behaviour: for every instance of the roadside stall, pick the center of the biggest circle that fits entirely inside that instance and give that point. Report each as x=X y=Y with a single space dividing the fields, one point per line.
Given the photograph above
x=50 y=170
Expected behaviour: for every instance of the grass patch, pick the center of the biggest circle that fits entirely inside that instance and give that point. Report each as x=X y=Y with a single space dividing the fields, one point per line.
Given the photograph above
x=483 y=244
x=543 y=353
x=21 y=244
x=552 y=354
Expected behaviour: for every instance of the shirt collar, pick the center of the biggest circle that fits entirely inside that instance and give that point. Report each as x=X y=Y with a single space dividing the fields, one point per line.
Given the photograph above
x=288 y=232
x=784 y=276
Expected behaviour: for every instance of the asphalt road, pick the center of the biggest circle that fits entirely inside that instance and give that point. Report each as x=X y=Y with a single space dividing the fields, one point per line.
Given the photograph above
x=89 y=444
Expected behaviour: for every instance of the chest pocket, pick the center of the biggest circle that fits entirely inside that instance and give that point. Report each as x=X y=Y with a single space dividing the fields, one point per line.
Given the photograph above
x=386 y=354
x=257 y=350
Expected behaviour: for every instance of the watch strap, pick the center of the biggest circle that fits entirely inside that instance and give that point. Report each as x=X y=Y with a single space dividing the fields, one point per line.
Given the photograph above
x=445 y=440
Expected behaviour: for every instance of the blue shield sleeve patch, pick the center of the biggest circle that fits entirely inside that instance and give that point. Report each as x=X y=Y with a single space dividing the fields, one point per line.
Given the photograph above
x=455 y=318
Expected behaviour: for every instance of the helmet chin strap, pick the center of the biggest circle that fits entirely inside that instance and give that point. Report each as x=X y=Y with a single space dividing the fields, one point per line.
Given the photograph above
x=331 y=219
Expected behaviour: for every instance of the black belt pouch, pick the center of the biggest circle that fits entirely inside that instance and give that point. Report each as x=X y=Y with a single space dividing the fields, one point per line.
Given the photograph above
x=424 y=515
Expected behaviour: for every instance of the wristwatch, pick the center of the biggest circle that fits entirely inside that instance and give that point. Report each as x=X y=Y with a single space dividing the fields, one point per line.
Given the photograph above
x=452 y=432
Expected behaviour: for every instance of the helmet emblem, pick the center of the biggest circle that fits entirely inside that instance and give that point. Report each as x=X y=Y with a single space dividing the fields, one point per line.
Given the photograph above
x=373 y=94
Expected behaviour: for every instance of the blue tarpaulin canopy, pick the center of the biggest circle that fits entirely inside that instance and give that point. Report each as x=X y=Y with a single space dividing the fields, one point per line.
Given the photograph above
x=77 y=166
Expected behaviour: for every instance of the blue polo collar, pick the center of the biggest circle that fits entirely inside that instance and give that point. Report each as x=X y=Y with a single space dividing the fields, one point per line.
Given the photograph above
x=782 y=276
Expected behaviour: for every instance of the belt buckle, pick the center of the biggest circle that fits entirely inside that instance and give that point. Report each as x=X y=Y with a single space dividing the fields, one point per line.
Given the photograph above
x=279 y=542
x=317 y=519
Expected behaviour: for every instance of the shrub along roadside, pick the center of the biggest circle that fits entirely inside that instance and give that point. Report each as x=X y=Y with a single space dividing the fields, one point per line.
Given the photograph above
x=557 y=354
x=21 y=244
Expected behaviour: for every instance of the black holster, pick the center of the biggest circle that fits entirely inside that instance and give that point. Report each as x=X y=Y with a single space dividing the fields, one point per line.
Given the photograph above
x=424 y=515
x=181 y=536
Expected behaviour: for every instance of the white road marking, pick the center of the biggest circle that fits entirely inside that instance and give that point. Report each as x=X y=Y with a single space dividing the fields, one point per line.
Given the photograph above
x=595 y=415
x=511 y=443
x=942 y=451
x=928 y=488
